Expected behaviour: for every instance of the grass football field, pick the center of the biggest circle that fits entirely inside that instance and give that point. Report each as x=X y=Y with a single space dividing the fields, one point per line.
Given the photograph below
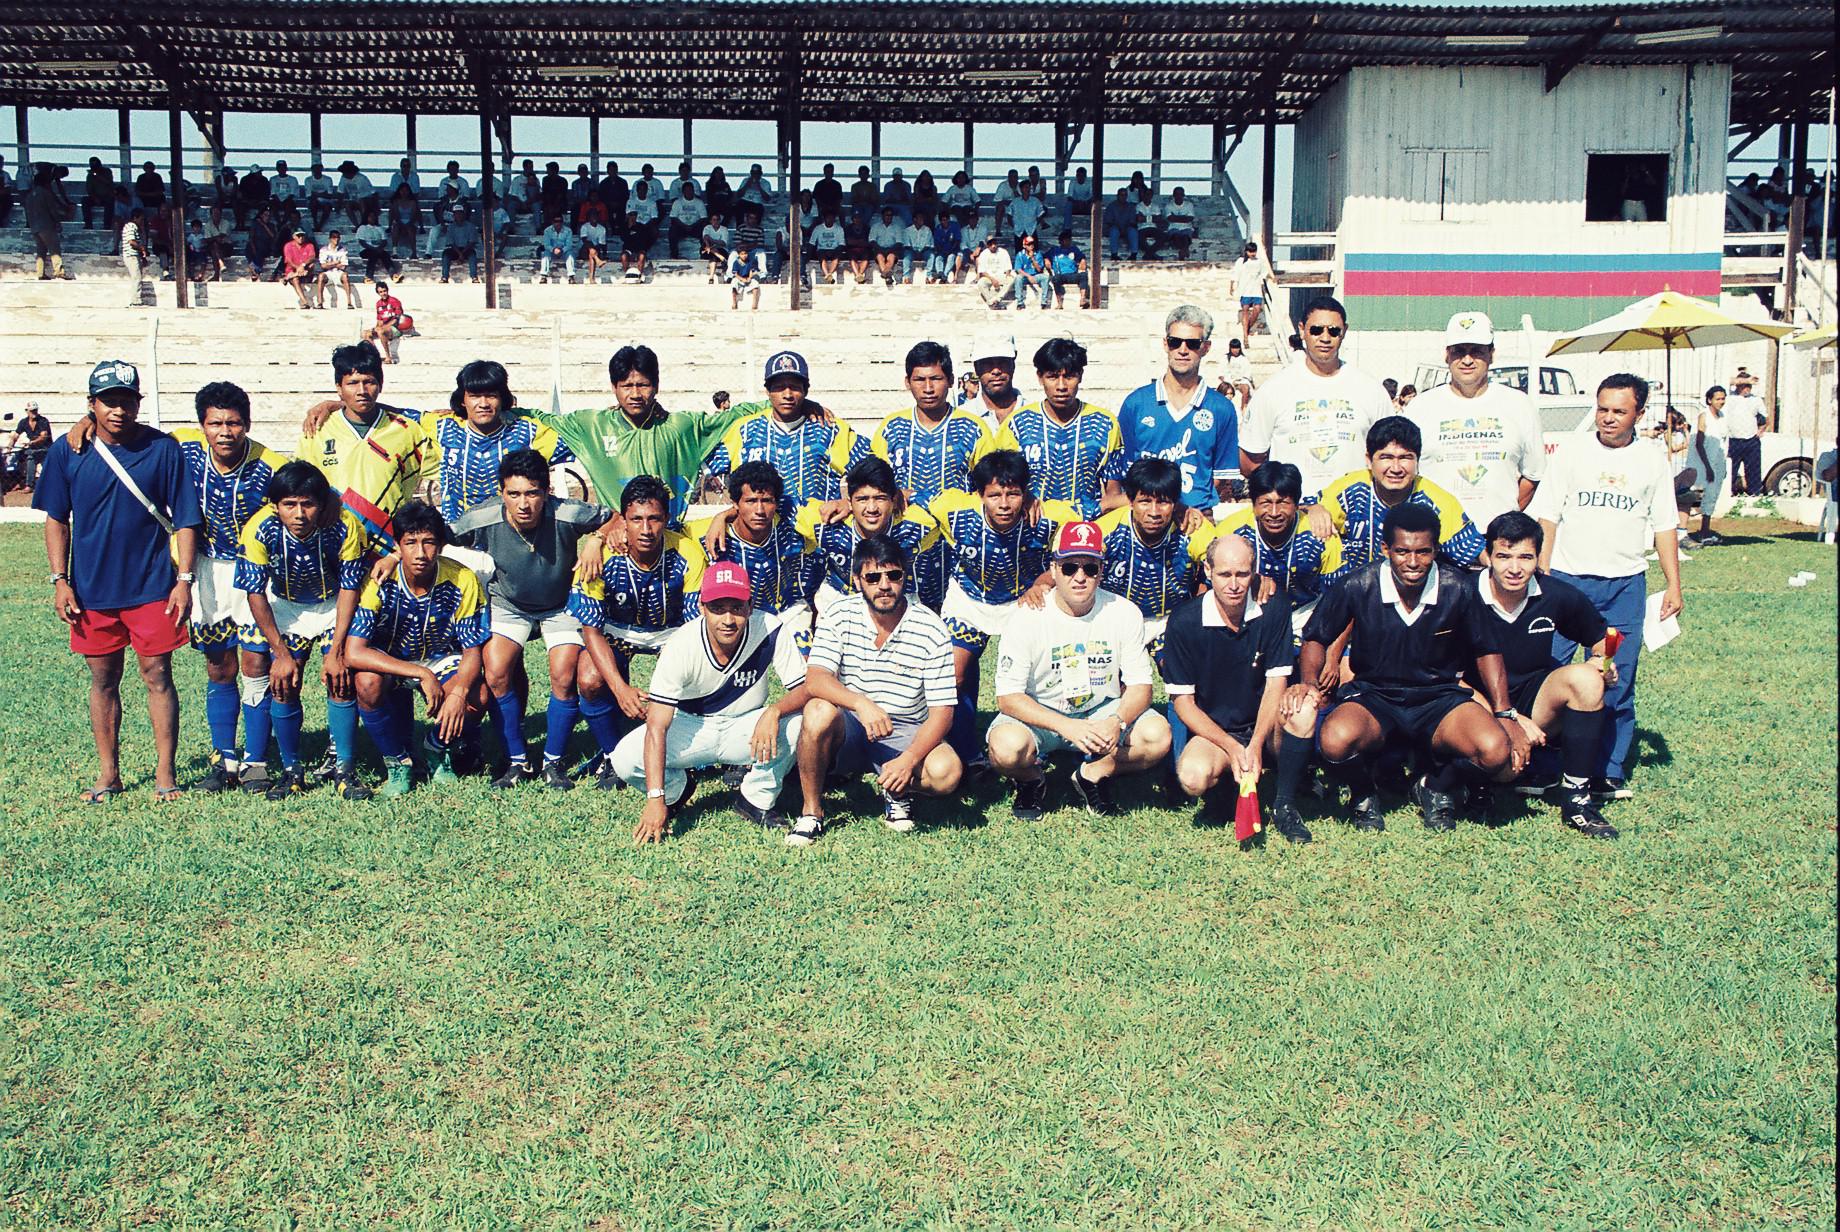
x=481 y=1010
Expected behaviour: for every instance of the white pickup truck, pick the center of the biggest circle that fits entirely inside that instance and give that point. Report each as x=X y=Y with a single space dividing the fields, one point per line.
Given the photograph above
x=1788 y=461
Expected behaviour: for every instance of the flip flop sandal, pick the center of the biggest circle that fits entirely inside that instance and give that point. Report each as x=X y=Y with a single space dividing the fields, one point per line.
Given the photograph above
x=166 y=795
x=100 y=795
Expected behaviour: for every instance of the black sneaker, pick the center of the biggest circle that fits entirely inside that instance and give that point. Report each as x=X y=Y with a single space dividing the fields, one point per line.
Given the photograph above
x=1439 y=809
x=1367 y=814
x=1288 y=822
x=291 y=782
x=517 y=772
x=346 y=782
x=327 y=770
x=766 y=819
x=253 y=778
x=1580 y=813
x=218 y=778
x=554 y=776
x=604 y=777
x=1096 y=797
x=732 y=776
x=1539 y=785
x=1611 y=789
x=1031 y=800
x=898 y=813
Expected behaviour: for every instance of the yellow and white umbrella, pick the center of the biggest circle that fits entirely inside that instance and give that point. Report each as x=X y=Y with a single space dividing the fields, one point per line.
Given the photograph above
x=1821 y=336
x=1667 y=321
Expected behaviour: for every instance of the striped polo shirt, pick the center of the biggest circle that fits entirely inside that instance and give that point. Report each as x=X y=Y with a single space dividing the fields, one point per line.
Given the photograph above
x=906 y=676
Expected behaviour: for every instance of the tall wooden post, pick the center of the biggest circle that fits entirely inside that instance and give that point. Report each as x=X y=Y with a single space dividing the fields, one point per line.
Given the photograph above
x=1217 y=162
x=177 y=199
x=22 y=131
x=315 y=138
x=795 y=239
x=875 y=152
x=1096 y=248
x=594 y=146
x=488 y=206
x=1156 y=158
x=415 y=166
x=1060 y=157
x=1268 y=191
x=969 y=151
x=124 y=134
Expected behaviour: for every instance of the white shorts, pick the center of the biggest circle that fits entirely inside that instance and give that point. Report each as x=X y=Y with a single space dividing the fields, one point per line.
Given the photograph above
x=215 y=598
x=990 y=618
x=637 y=641
x=516 y=625
x=481 y=564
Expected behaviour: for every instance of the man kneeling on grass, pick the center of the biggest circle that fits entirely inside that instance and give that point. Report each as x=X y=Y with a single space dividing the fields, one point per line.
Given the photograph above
x=1077 y=677
x=1226 y=664
x=424 y=626
x=882 y=695
x=708 y=707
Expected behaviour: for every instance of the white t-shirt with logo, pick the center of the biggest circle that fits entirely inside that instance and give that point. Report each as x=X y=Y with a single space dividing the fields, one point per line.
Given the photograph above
x=1074 y=664
x=1316 y=423
x=1608 y=504
x=1479 y=449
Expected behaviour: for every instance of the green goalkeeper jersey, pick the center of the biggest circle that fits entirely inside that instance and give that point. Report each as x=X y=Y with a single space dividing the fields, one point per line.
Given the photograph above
x=669 y=444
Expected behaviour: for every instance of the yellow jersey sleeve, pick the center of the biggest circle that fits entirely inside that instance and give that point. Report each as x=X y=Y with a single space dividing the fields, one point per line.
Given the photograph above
x=1331 y=498
x=805 y=522
x=930 y=531
x=249 y=542
x=949 y=502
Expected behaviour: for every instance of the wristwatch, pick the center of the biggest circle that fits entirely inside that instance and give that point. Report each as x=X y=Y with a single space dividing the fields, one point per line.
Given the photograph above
x=55 y=578
x=1509 y=713
x=654 y=793
x=188 y=578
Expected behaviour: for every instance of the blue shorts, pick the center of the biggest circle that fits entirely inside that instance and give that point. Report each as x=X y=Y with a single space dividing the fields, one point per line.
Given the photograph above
x=857 y=754
x=1250 y=301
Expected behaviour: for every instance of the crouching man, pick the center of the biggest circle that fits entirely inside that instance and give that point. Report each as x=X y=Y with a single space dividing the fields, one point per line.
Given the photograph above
x=882 y=694
x=708 y=707
x=1076 y=676
x=1226 y=664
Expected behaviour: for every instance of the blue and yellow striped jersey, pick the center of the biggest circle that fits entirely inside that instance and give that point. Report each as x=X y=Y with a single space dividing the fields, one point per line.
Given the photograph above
x=916 y=530
x=450 y=618
x=229 y=498
x=996 y=566
x=1158 y=577
x=1296 y=565
x=1070 y=461
x=811 y=455
x=1359 y=518
x=307 y=570
x=780 y=571
x=928 y=461
x=469 y=459
x=632 y=597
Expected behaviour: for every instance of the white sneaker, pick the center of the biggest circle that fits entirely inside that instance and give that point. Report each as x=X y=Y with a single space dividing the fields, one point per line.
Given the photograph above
x=898 y=813
x=805 y=831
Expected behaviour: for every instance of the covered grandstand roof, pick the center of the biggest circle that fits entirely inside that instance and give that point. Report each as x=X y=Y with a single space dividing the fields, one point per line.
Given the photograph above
x=1190 y=61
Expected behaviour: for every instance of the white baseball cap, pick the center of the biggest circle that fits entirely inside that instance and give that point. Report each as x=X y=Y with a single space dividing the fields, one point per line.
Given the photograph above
x=993 y=345
x=1469 y=327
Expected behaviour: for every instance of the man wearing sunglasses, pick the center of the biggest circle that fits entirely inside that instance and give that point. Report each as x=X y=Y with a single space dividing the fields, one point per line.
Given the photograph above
x=1315 y=414
x=1076 y=677
x=1182 y=419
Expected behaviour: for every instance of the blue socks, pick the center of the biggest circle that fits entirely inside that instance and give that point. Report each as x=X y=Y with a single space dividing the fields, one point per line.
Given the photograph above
x=286 y=717
x=561 y=723
x=255 y=730
x=510 y=712
x=342 y=725
x=380 y=724
x=602 y=717
x=221 y=702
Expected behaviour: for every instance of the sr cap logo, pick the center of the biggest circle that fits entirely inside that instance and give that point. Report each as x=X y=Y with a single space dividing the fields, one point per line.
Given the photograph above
x=786 y=363
x=1079 y=539
x=725 y=580
x=114 y=374
x=1469 y=327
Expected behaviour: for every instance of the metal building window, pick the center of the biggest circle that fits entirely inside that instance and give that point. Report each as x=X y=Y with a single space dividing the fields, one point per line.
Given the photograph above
x=1626 y=187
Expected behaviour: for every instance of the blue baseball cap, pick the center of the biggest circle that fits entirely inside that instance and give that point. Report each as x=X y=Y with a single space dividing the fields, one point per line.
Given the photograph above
x=787 y=363
x=114 y=374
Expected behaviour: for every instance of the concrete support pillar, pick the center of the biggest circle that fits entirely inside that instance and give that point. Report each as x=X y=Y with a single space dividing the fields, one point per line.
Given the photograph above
x=124 y=134
x=594 y=146
x=488 y=204
x=688 y=146
x=875 y=152
x=415 y=164
x=23 y=157
x=1156 y=158
x=1217 y=160
x=1268 y=191
x=1095 y=251
x=969 y=149
x=176 y=199
x=316 y=144
x=1060 y=157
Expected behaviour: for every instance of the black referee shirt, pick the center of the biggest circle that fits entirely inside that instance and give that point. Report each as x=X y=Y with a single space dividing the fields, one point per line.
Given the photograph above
x=1449 y=629
x=1225 y=671
x=1526 y=641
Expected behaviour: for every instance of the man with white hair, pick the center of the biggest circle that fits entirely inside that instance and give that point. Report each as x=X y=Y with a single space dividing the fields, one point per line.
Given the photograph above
x=1182 y=419
x=1482 y=439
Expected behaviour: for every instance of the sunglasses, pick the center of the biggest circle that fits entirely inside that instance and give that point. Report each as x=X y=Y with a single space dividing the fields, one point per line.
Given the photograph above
x=1183 y=344
x=875 y=577
x=1334 y=331
x=1085 y=568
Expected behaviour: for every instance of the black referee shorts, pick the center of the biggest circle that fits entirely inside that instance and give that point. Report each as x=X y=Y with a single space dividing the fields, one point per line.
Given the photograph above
x=1411 y=712
x=1522 y=698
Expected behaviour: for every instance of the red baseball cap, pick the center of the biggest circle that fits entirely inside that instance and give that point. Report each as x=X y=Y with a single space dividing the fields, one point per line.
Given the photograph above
x=726 y=580
x=1079 y=539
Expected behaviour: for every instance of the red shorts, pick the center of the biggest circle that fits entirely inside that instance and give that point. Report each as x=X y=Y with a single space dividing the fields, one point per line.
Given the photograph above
x=147 y=628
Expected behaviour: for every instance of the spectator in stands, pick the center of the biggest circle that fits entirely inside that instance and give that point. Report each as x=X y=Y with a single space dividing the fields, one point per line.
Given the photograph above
x=887 y=244
x=976 y=231
x=300 y=266
x=747 y=254
x=1032 y=272
x=224 y=183
x=714 y=246
x=654 y=187
x=827 y=193
x=390 y=323
x=158 y=231
x=405 y=177
x=284 y=189
x=553 y=192
x=899 y=194
x=687 y=216
x=684 y=176
x=592 y=209
x=960 y=195
x=405 y=219
x=557 y=243
x=994 y=274
x=948 y=243
x=335 y=272
x=865 y=197
x=1024 y=213
x=917 y=247
x=745 y=274
x=375 y=250
x=461 y=243
x=524 y=189
x=641 y=230
x=134 y=255
x=593 y=237
x=926 y=195
x=454 y=182
x=718 y=196
x=1067 y=268
x=261 y=243
x=1079 y=196
x=45 y=220
x=30 y=451
x=150 y=189
x=217 y=241
x=754 y=190
x=197 y=251
x=1149 y=226
x=856 y=245
x=98 y=193
x=356 y=192
x=1000 y=200
x=321 y=191
x=580 y=189
x=1236 y=378
x=251 y=195
x=1249 y=286
x=6 y=194
x=1406 y=394
x=615 y=192
x=1120 y=222
x=827 y=241
x=808 y=213
x=1179 y=222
